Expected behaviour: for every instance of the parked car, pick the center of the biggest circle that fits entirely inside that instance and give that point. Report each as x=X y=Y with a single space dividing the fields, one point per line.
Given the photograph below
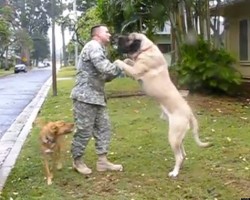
x=20 y=68
x=47 y=64
x=41 y=65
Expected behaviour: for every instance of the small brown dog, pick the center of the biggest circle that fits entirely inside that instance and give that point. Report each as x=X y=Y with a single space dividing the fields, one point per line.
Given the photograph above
x=51 y=138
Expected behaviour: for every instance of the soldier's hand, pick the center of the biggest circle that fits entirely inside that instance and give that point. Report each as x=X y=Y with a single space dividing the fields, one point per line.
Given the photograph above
x=119 y=63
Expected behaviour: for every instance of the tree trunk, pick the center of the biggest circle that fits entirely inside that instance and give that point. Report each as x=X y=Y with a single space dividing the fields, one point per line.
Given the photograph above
x=201 y=18
x=182 y=21
x=6 y=59
x=176 y=33
x=65 y=60
x=207 y=20
x=173 y=47
x=189 y=16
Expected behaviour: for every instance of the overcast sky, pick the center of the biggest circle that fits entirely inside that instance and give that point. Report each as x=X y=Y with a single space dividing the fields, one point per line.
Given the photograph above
x=58 y=38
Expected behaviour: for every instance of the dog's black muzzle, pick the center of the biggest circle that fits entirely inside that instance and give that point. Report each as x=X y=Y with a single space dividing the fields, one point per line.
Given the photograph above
x=122 y=44
x=126 y=46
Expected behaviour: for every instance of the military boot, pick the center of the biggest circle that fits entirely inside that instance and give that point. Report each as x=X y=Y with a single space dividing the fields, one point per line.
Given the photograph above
x=104 y=165
x=81 y=167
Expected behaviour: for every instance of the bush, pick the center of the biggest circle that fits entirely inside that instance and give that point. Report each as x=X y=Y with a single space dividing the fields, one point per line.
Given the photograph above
x=204 y=68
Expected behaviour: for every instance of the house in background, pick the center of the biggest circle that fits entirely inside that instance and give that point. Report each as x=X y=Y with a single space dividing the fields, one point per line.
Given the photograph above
x=237 y=32
x=162 y=38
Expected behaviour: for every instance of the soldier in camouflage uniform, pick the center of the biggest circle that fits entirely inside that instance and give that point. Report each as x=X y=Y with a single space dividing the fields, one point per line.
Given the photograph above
x=89 y=103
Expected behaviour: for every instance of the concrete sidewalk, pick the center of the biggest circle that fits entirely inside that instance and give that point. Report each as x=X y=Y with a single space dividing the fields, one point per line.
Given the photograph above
x=14 y=138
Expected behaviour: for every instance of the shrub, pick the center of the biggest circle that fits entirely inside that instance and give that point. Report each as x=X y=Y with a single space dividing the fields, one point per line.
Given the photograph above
x=205 y=68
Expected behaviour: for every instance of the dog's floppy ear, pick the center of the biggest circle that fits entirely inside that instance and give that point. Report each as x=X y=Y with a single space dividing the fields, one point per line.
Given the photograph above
x=135 y=46
x=145 y=42
x=53 y=128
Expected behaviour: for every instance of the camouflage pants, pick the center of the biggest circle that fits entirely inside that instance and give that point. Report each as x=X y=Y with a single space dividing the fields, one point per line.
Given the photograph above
x=90 y=120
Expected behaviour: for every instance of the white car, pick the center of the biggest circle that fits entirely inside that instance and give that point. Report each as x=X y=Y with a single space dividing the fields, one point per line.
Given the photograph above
x=20 y=68
x=41 y=65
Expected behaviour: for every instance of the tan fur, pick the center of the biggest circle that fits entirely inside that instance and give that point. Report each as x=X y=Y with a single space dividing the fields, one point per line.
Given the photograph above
x=150 y=68
x=51 y=140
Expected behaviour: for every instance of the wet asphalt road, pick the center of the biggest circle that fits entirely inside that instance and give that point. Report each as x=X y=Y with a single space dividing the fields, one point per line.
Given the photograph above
x=17 y=91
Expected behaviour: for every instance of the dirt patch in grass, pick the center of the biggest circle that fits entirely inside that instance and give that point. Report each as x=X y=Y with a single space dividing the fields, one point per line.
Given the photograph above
x=224 y=105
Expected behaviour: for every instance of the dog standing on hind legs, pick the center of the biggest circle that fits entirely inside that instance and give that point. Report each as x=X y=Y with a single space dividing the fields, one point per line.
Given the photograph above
x=51 y=140
x=148 y=66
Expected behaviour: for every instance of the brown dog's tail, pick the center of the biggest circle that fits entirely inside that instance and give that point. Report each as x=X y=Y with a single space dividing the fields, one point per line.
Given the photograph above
x=194 y=126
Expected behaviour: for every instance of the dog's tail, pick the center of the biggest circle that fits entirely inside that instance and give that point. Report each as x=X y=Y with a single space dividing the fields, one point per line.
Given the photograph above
x=194 y=126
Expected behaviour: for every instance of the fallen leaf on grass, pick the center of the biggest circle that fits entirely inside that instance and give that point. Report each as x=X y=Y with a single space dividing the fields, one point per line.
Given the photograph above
x=219 y=110
x=229 y=139
x=229 y=182
x=243 y=158
x=137 y=186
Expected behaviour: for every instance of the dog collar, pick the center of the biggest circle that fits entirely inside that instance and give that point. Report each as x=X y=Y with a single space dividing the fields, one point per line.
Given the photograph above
x=49 y=140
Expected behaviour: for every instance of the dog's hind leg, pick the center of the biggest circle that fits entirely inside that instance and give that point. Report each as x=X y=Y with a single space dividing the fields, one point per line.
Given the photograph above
x=176 y=147
x=183 y=151
x=177 y=131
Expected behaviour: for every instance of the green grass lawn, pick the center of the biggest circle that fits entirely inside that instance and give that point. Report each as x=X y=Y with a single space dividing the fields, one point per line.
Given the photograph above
x=68 y=72
x=140 y=143
x=4 y=72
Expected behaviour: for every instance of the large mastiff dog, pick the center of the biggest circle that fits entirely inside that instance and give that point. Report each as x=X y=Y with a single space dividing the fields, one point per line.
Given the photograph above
x=149 y=67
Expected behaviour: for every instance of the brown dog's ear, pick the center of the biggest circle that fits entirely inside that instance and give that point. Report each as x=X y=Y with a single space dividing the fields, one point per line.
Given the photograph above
x=59 y=123
x=53 y=128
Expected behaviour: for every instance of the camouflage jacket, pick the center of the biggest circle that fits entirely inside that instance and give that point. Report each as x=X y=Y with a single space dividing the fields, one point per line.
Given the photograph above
x=93 y=70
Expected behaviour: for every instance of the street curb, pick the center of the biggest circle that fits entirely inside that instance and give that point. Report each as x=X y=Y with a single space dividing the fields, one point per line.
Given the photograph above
x=12 y=141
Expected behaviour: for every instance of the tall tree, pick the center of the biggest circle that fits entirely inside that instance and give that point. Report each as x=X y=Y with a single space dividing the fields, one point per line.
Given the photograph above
x=23 y=45
x=5 y=33
x=64 y=22
x=41 y=47
x=32 y=17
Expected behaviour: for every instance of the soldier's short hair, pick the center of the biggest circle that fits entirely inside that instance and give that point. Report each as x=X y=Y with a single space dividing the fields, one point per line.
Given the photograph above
x=94 y=29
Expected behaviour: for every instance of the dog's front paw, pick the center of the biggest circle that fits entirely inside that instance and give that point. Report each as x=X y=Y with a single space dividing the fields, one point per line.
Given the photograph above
x=129 y=62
